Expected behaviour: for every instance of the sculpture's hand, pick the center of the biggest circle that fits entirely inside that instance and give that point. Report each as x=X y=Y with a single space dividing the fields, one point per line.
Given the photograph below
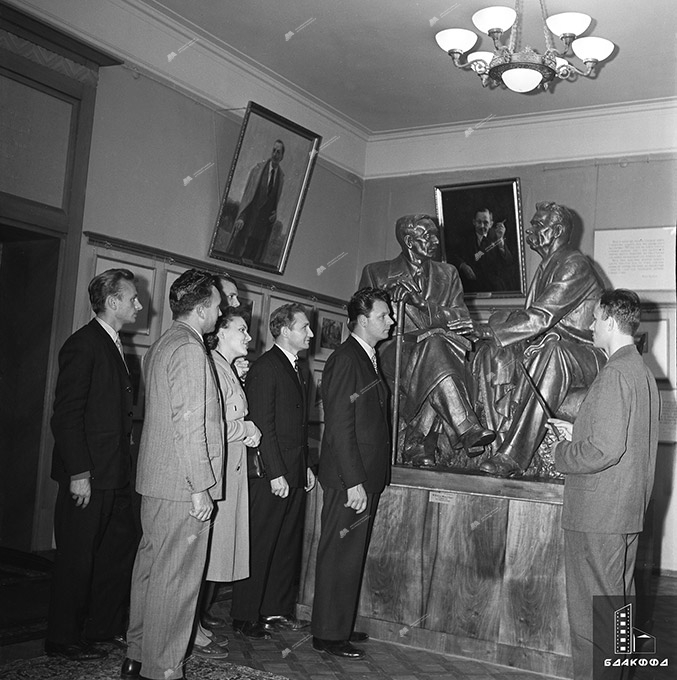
x=461 y=326
x=468 y=271
x=238 y=225
x=407 y=290
x=273 y=216
x=562 y=429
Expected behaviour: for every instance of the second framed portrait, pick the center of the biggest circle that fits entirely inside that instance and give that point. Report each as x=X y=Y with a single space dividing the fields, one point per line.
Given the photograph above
x=331 y=332
x=482 y=236
x=267 y=184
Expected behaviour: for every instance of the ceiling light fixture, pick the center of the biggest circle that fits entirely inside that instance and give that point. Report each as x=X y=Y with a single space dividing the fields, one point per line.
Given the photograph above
x=524 y=70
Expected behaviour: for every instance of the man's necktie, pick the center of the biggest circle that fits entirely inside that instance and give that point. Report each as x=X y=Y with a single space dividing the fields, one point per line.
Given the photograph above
x=296 y=369
x=271 y=181
x=374 y=362
x=118 y=344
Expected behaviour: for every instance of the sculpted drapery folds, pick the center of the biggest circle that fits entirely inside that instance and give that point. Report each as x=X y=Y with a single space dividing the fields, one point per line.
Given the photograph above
x=550 y=336
x=434 y=395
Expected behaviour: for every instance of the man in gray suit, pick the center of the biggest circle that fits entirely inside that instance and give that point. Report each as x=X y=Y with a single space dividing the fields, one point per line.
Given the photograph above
x=179 y=475
x=609 y=459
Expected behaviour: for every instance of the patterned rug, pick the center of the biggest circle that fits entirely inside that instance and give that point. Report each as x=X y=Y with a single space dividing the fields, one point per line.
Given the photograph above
x=46 y=668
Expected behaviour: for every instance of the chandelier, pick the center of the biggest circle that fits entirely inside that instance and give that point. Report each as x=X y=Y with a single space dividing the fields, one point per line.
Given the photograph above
x=524 y=70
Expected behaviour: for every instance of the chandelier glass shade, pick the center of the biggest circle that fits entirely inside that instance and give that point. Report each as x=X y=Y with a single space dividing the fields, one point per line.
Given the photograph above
x=524 y=69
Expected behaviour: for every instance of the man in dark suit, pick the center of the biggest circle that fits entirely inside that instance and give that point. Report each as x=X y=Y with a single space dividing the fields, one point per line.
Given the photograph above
x=277 y=393
x=93 y=520
x=609 y=459
x=354 y=470
x=483 y=258
x=258 y=208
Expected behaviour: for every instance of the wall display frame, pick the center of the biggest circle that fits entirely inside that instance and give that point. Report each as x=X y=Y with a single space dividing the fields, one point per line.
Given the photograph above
x=315 y=406
x=264 y=194
x=251 y=306
x=134 y=356
x=653 y=341
x=331 y=331
x=641 y=259
x=494 y=267
x=667 y=424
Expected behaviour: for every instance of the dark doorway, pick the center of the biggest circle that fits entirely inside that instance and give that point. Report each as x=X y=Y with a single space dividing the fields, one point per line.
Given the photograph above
x=28 y=277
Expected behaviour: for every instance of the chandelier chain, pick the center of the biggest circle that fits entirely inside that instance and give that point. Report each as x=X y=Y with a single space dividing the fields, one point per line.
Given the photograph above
x=549 y=45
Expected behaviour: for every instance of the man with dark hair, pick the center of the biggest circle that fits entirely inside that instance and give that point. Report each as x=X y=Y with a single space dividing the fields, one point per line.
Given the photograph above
x=354 y=470
x=258 y=208
x=550 y=336
x=277 y=392
x=483 y=258
x=93 y=520
x=608 y=459
x=433 y=355
x=179 y=474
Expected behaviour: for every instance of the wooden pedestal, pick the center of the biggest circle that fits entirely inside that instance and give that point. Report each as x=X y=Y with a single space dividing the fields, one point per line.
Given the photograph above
x=465 y=565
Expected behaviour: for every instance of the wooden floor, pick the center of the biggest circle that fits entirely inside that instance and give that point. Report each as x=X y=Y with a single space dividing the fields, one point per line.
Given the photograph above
x=292 y=655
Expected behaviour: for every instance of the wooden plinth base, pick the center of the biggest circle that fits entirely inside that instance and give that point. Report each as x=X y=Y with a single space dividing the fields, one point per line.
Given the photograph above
x=465 y=565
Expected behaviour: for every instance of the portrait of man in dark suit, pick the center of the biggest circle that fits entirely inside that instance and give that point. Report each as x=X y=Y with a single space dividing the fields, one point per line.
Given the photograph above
x=93 y=524
x=354 y=470
x=277 y=392
x=258 y=207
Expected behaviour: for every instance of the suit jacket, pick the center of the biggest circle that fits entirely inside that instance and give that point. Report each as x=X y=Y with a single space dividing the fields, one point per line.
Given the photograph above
x=356 y=440
x=92 y=420
x=182 y=444
x=610 y=462
x=562 y=298
x=256 y=174
x=278 y=405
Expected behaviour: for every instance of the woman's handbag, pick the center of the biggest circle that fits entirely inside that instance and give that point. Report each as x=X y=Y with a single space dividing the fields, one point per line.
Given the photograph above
x=255 y=467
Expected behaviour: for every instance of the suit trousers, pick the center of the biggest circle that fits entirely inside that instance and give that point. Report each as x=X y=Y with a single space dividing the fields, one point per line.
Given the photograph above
x=341 y=554
x=276 y=541
x=166 y=580
x=95 y=549
x=596 y=564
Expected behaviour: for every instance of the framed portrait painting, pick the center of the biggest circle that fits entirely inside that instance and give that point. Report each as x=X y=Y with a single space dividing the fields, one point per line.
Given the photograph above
x=330 y=332
x=481 y=234
x=267 y=183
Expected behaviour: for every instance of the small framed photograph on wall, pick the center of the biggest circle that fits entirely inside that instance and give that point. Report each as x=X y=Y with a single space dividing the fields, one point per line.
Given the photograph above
x=267 y=184
x=316 y=410
x=331 y=331
x=481 y=234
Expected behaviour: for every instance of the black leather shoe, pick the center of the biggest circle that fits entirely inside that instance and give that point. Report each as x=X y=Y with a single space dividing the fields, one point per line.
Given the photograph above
x=501 y=465
x=210 y=621
x=75 y=652
x=341 y=648
x=130 y=668
x=358 y=636
x=251 y=629
x=476 y=437
x=282 y=622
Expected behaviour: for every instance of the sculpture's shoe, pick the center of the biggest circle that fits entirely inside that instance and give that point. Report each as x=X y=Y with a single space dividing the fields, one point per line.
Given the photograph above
x=501 y=465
